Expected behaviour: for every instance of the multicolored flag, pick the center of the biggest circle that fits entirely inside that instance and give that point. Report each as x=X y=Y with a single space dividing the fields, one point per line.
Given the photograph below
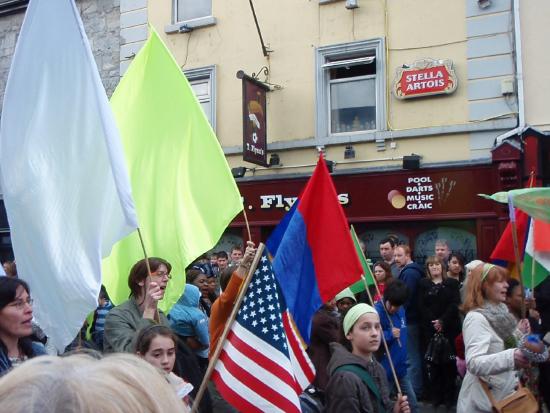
x=535 y=202
x=314 y=255
x=503 y=253
x=359 y=286
x=184 y=191
x=263 y=366
x=536 y=263
x=66 y=188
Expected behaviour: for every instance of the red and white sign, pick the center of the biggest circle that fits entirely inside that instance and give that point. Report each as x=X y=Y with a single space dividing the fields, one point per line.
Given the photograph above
x=423 y=78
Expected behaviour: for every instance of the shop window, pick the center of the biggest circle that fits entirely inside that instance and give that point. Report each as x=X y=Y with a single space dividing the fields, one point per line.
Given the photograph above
x=203 y=83
x=372 y=238
x=458 y=239
x=231 y=237
x=350 y=88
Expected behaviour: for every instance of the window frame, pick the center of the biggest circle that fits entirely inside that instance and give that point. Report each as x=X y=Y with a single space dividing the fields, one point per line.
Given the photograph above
x=12 y=6
x=206 y=72
x=323 y=82
x=184 y=26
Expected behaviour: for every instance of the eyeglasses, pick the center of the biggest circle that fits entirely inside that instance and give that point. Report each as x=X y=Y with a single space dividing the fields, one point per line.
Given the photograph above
x=162 y=274
x=20 y=304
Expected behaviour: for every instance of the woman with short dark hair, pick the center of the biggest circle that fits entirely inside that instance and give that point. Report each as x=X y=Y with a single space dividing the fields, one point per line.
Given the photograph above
x=16 y=324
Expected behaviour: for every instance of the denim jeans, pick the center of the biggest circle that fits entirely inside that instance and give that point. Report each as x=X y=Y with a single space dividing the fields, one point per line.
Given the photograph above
x=407 y=389
x=414 y=358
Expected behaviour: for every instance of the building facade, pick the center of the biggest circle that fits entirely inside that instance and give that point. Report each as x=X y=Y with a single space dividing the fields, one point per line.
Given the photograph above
x=419 y=106
x=360 y=80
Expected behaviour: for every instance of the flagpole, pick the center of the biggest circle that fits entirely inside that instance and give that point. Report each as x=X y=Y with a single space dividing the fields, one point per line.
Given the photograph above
x=149 y=273
x=247 y=225
x=227 y=328
x=375 y=286
x=516 y=252
x=399 y=392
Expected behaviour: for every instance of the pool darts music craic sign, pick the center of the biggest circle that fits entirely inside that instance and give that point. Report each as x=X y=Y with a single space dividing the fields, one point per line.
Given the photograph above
x=254 y=121
x=424 y=77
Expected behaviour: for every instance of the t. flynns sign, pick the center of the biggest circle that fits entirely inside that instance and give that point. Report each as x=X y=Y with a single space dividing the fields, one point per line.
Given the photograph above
x=423 y=78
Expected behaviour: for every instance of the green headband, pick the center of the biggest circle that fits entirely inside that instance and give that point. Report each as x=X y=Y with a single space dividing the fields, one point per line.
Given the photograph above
x=354 y=313
x=486 y=268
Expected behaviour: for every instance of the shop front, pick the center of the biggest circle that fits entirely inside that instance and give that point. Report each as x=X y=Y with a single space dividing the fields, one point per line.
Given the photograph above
x=417 y=206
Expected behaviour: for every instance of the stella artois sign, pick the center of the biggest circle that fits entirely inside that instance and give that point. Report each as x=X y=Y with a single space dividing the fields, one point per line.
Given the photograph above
x=423 y=78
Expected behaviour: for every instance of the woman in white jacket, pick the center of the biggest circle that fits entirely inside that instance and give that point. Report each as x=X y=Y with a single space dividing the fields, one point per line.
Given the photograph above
x=491 y=335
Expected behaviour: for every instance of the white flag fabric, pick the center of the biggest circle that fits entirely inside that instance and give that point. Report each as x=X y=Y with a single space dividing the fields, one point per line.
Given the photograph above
x=66 y=188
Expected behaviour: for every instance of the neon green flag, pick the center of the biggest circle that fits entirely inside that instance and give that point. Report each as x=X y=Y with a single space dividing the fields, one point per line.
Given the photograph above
x=184 y=191
x=359 y=286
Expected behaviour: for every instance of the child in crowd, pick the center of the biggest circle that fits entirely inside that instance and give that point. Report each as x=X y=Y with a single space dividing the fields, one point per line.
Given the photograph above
x=191 y=324
x=344 y=301
x=157 y=345
x=395 y=333
x=98 y=325
x=358 y=383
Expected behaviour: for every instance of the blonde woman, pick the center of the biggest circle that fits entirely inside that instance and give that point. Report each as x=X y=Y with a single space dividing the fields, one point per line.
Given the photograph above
x=491 y=337
x=120 y=383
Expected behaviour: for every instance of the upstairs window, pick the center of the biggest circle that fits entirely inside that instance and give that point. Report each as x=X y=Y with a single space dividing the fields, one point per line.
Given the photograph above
x=350 y=88
x=192 y=9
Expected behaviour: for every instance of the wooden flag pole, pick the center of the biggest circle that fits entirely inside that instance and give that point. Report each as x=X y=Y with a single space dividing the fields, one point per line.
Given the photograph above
x=227 y=328
x=518 y=259
x=149 y=273
x=247 y=226
x=375 y=286
x=399 y=392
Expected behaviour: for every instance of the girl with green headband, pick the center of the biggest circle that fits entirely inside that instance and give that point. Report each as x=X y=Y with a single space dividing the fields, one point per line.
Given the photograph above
x=357 y=381
x=491 y=336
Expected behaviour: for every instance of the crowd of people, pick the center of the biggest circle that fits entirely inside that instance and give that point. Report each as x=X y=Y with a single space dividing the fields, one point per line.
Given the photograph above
x=446 y=333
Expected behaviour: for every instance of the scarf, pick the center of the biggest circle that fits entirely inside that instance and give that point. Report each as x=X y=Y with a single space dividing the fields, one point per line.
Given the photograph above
x=502 y=321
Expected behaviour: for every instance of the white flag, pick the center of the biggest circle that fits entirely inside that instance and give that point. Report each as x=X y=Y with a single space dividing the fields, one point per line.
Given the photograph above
x=66 y=188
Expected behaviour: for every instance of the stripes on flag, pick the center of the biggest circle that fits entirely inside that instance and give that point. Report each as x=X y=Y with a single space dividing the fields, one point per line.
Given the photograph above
x=263 y=365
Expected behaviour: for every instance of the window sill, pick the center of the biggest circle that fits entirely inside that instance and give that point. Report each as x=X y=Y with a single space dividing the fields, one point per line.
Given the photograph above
x=188 y=25
x=321 y=2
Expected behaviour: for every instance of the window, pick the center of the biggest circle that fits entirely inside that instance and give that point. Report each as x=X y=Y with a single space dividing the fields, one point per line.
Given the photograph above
x=12 y=6
x=203 y=82
x=192 y=9
x=350 y=88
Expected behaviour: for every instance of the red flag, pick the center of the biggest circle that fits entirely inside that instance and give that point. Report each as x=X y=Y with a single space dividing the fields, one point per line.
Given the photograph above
x=504 y=250
x=542 y=236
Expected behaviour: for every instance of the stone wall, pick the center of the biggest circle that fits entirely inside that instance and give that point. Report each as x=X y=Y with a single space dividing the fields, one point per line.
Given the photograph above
x=102 y=24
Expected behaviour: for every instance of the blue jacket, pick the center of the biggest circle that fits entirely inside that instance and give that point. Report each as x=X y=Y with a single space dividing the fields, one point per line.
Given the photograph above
x=398 y=354
x=5 y=363
x=187 y=320
x=411 y=274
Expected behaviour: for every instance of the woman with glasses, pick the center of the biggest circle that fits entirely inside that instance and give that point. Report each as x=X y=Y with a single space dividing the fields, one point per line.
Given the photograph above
x=140 y=310
x=15 y=324
x=123 y=323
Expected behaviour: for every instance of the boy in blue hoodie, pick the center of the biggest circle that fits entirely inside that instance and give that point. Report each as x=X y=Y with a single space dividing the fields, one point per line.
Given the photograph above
x=395 y=295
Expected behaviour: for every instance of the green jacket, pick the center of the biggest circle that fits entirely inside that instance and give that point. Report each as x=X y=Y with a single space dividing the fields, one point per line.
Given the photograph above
x=122 y=325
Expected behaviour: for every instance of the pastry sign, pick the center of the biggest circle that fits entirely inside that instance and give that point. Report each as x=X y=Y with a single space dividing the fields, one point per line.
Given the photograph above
x=423 y=78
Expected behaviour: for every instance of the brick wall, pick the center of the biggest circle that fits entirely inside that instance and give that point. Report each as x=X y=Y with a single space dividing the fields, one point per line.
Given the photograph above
x=102 y=23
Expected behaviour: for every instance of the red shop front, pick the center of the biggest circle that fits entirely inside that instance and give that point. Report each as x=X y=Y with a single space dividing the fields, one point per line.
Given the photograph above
x=417 y=206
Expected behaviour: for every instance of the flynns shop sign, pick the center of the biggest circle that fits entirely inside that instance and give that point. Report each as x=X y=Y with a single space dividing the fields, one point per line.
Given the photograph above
x=424 y=78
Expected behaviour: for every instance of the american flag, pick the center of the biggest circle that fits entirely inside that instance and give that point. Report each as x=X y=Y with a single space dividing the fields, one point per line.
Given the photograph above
x=263 y=366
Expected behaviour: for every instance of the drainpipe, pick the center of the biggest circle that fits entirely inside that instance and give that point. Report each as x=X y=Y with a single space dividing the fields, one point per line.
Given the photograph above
x=519 y=77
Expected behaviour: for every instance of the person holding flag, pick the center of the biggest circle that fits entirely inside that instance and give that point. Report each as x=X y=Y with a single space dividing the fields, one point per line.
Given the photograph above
x=358 y=383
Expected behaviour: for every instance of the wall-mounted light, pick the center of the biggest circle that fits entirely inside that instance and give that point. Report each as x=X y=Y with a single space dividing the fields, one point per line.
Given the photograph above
x=351 y=4
x=411 y=161
x=274 y=160
x=483 y=4
x=349 y=152
x=239 y=171
x=330 y=165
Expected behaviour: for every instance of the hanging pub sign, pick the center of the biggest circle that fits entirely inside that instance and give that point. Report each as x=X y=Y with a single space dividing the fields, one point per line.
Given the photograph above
x=254 y=120
x=424 y=78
